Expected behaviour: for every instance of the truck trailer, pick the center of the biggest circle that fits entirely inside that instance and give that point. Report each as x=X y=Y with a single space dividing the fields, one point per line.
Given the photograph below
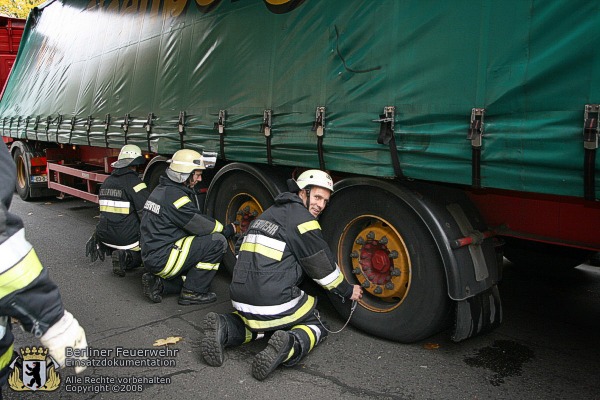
x=456 y=132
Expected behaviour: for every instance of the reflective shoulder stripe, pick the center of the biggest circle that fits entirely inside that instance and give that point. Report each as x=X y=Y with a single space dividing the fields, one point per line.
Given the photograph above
x=181 y=202
x=268 y=310
x=264 y=245
x=259 y=325
x=332 y=280
x=139 y=187
x=13 y=250
x=309 y=226
x=218 y=227
x=20 y=275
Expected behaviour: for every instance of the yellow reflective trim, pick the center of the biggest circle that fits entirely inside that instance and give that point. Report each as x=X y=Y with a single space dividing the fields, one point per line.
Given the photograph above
x=264 y=250
x=181 y=202
x=139 y=187
x=248 y=338
x=173 y=256
x=207 y=266
x=114 y=210
x=310 y=333
x=309 y=226
x=183 y=253
x=21 y=274
x=6 y=357
x=335 y=283
x=266 y=325
x=218 y=227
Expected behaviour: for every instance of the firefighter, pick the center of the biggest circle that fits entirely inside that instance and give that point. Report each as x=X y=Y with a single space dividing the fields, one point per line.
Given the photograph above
x=178 y=239
x=122 y=198
x=279 y=248
x=26 y=291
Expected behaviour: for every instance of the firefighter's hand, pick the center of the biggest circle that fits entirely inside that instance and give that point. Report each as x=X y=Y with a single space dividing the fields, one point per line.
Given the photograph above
x=66 y=333
x=229 y=230
x=356 y=292
x=91 y=248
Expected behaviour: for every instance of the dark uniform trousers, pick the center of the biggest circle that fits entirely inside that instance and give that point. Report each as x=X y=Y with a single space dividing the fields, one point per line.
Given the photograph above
x=195 y=257
x=307 y=332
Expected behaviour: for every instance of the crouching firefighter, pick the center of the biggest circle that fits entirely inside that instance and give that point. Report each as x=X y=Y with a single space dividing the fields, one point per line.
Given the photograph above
x=280 y=246
x=122 y=198
x=178 y=239
x=26 y=292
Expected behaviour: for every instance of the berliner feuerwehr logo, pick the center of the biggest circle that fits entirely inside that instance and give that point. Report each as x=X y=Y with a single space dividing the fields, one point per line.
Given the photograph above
x=34 y=370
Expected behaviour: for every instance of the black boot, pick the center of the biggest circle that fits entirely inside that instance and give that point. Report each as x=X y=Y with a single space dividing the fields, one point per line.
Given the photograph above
x=188 y=297
x=119 y=262
x=278 y=350
x=215 y=337
x=152 y=286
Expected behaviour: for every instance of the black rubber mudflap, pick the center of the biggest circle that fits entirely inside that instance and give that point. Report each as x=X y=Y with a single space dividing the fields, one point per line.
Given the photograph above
x=477 y=314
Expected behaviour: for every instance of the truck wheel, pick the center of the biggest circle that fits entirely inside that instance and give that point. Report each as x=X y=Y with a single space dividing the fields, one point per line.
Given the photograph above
x=22 y=184
x=530 y=254
x=240 y=199
x=383 y=246
x=157 y=171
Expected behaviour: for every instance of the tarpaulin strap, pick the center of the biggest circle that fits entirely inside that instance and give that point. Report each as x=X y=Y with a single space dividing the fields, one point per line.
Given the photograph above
x=73 y=120
x=88 y=128
x=180 y=129
x=48 y=122
x=386 y=136
x=35 y=127
x=590 y=145
x=220 y=128
x=27 y=126
x=475 y=135
x=18 y=125
x=265 y=128
x=106 y=128
x=59 y=120
x=319 y=128
x=125 y=127
x=148 y=126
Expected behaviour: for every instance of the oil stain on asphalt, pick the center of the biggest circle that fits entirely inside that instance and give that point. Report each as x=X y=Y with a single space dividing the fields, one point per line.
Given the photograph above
x=504 y=357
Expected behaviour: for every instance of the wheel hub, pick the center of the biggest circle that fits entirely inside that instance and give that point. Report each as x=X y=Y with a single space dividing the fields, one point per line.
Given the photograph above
x=380 y=261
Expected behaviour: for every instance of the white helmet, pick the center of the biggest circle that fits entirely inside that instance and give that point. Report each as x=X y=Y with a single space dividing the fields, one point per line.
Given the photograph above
x=183 y=163
x=129 y=155
x=186 y=161
x=315 y=177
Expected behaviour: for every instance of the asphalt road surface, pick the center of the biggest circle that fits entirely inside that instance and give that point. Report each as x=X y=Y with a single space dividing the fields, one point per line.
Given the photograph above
x=546 y=348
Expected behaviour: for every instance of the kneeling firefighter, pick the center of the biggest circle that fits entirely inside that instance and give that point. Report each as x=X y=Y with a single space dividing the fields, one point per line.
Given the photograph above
x=122 y=197
x=178 y=239
x=280 y=247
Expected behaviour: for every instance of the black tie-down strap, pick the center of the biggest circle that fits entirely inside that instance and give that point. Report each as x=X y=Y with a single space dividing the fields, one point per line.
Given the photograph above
x=590 y=145
x=475 y=135
x=386 y=136
x=319 y=128
x=265 y=128
x=220 y=128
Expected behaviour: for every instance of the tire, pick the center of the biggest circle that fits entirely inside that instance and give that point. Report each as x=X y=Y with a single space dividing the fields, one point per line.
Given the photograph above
x=157 y=171
x=404 y=286
x=537 y=255
x=240 y=198
x=22 y=184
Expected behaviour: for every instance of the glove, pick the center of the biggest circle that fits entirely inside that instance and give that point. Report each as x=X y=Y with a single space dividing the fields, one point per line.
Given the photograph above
x=65 y=333
x=94 y=249
x=228 y=231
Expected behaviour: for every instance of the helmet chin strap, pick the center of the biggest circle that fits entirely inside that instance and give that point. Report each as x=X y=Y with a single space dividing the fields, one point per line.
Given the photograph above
x=307 y=191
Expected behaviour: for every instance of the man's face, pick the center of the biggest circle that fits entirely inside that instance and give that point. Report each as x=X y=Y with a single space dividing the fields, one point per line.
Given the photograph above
x=319 y=197
x=195 y=177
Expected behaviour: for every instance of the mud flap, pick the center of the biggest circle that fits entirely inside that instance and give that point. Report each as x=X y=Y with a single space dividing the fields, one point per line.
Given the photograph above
x=477 y=314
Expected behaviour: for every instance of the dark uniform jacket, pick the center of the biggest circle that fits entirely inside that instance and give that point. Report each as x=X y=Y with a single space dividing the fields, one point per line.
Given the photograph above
x=170 y=214
x=279 y=247
x=122 y=197
x=26 y=291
